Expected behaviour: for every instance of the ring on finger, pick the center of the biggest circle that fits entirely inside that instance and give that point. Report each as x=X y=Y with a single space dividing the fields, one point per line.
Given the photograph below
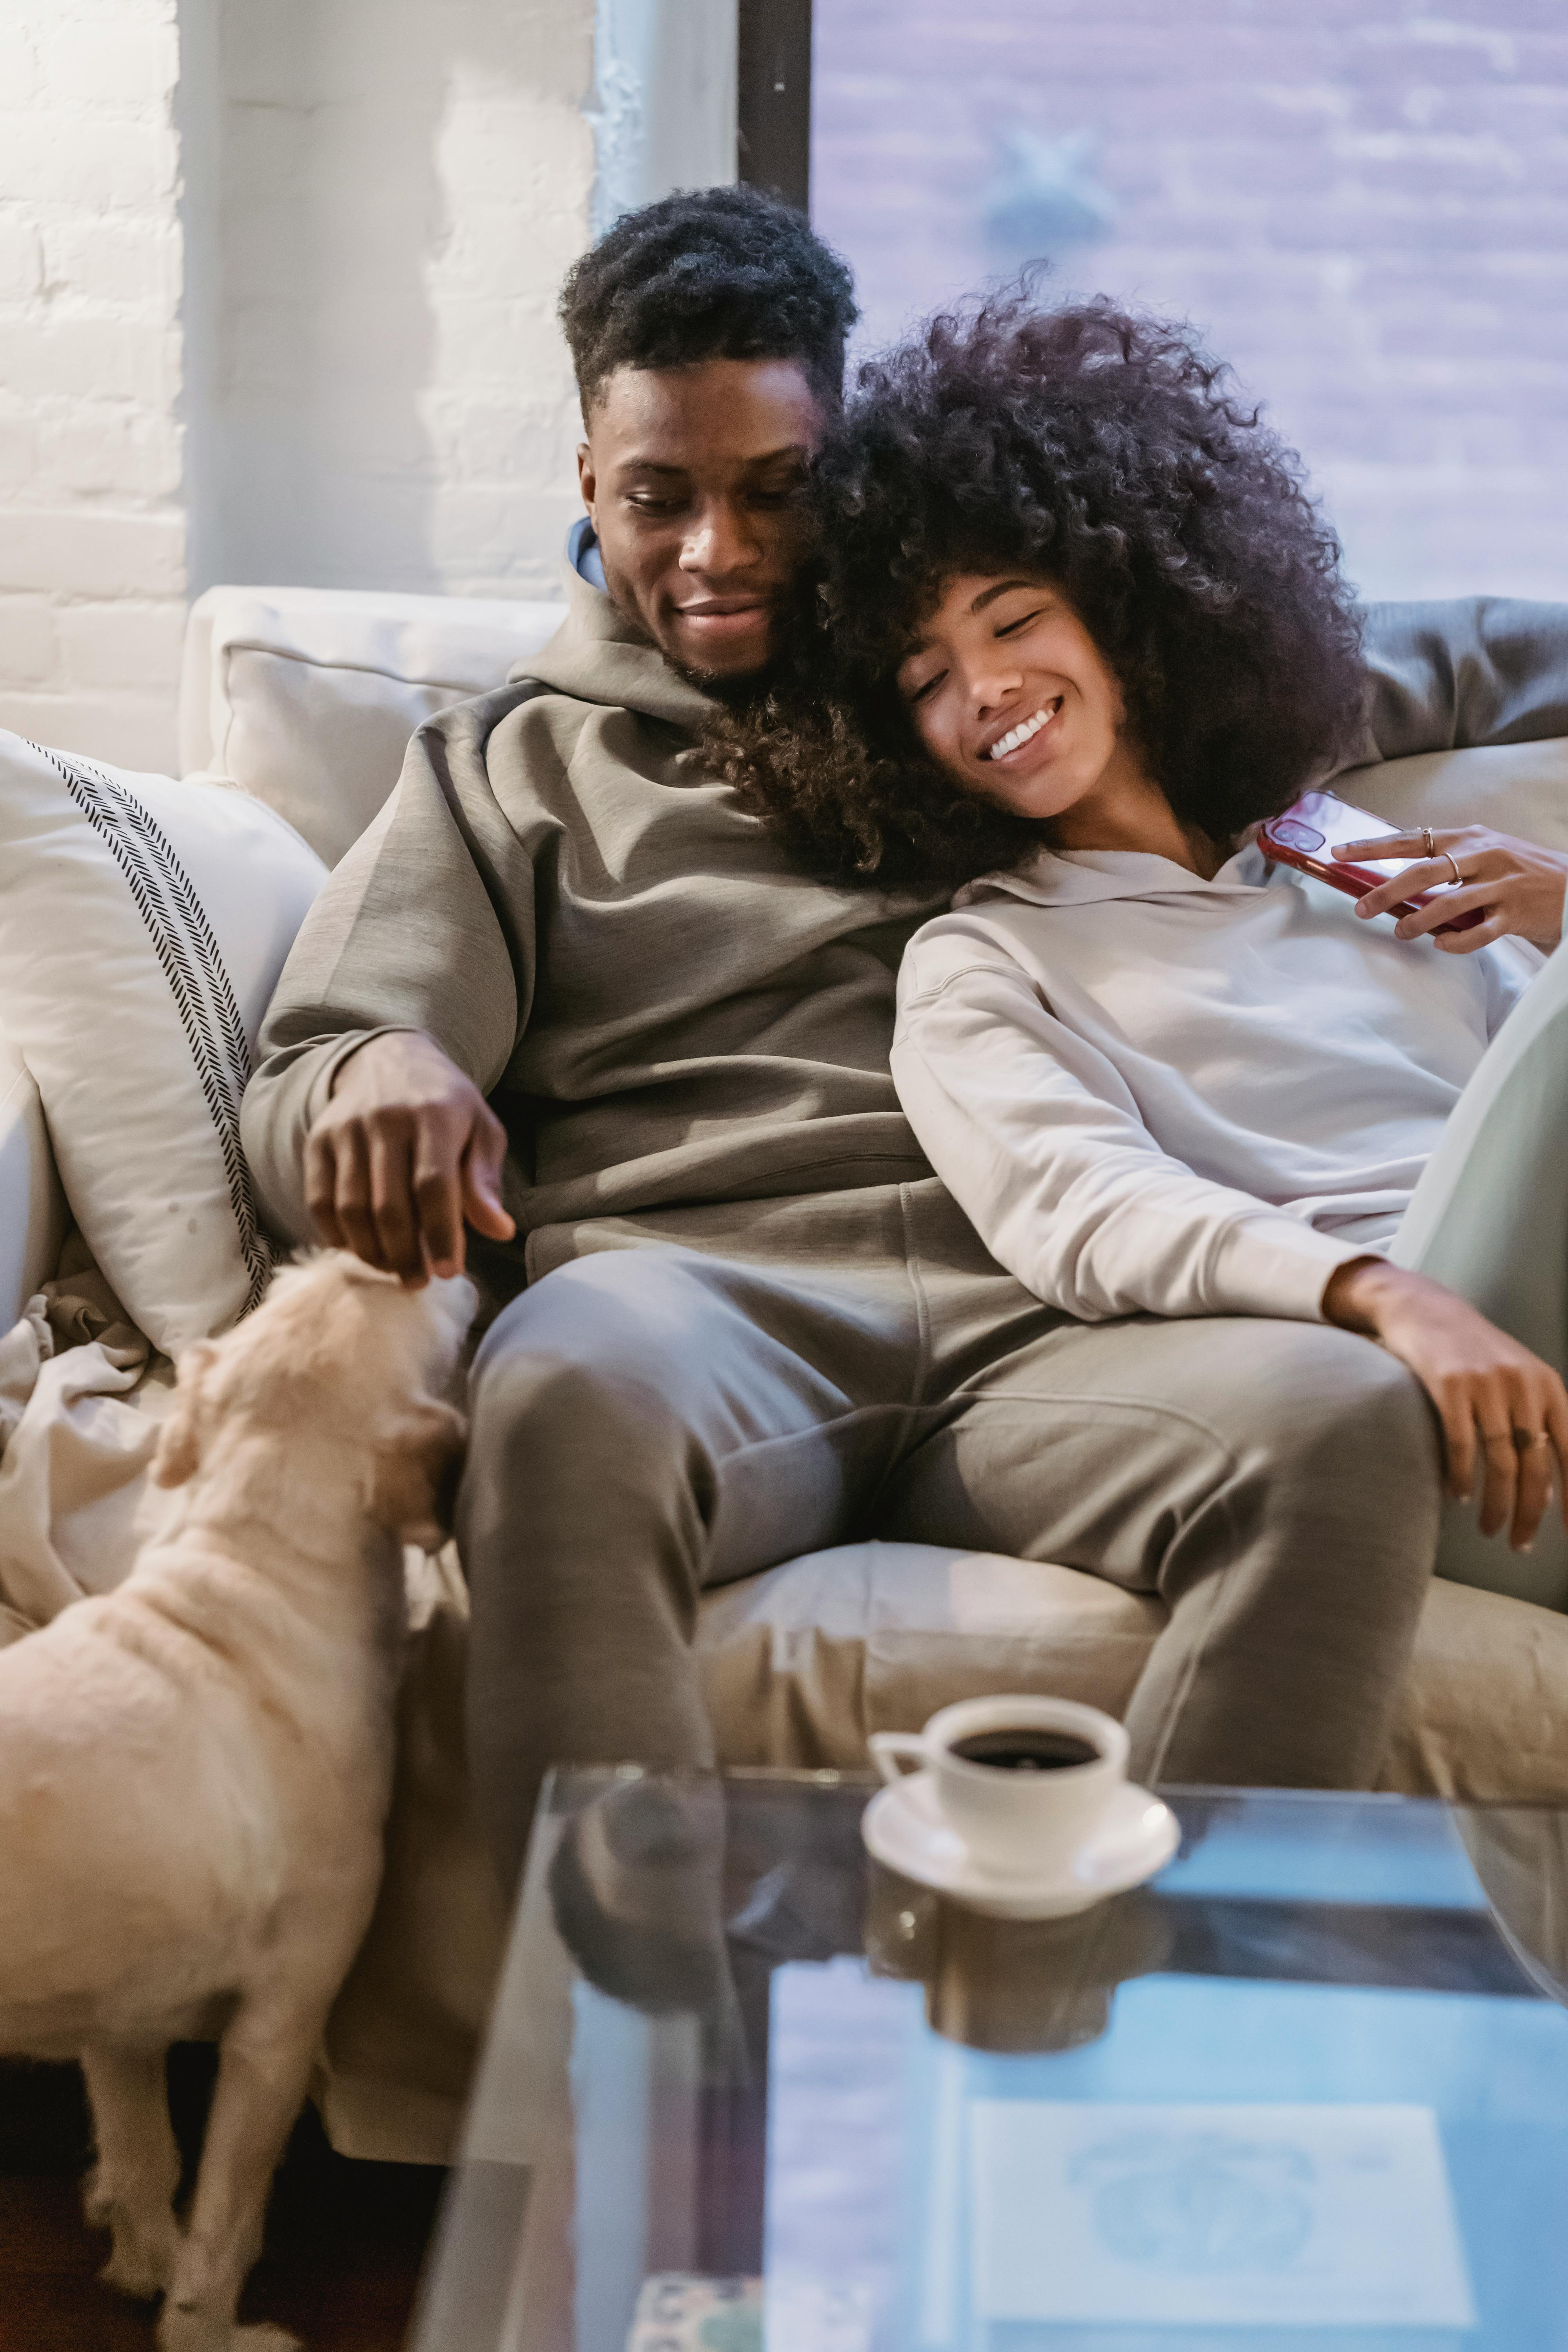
x=1427 y=841
x=1454 y=864
x=1530 y=1440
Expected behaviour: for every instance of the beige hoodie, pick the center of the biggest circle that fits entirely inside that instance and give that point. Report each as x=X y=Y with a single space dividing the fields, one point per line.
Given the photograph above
x=661 y=1007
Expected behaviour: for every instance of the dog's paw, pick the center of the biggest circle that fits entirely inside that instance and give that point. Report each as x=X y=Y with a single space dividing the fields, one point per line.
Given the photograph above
x=142 y=2262
x=201 y=2331
x=139 y=2269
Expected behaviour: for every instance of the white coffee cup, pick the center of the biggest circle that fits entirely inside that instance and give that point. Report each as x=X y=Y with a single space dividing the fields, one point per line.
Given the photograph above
x=1022 y=1822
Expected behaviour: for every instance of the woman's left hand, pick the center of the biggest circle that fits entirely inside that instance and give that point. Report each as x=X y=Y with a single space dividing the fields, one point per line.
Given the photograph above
x=1518 y=886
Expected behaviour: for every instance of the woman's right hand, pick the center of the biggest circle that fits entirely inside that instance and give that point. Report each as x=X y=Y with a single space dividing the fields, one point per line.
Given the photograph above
x=1490 y=1392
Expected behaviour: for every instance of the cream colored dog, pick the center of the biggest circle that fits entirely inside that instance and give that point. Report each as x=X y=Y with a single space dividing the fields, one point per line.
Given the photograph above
x=196 y=1769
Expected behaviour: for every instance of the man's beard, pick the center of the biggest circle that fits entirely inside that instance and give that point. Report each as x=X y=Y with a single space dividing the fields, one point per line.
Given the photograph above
x=732 y=694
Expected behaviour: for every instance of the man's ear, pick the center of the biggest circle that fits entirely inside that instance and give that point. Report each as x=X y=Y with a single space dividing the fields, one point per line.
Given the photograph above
x=417 y=1469
x=179 y=1440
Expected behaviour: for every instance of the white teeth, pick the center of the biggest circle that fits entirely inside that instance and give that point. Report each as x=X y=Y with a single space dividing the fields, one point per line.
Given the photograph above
x=1021 y=734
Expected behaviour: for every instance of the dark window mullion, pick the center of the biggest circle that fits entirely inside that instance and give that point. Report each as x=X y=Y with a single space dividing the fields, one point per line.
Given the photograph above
x=774 y=98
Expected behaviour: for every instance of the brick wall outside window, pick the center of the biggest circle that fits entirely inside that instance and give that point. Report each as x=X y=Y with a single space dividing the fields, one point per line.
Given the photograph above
x=1363 y=204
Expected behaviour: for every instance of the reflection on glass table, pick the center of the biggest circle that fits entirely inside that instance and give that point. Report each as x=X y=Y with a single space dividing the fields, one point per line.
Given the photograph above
x=748 y=2092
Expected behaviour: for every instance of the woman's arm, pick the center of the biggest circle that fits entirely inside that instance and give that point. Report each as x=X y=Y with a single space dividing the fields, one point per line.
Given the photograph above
x=1498 y=1404
x=1037 y=1136
x=1518 y=886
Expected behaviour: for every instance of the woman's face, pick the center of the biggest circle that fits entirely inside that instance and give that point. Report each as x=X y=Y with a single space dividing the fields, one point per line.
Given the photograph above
x=1011 y=696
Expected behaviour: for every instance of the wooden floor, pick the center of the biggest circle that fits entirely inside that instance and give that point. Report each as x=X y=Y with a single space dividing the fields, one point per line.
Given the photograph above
x=344 y=2240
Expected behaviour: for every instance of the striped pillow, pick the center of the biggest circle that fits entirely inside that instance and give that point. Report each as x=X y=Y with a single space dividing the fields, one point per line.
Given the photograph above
x=144 y=923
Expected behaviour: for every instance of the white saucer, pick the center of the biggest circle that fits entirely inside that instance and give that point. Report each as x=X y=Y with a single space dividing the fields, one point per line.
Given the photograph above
x=904 y=1827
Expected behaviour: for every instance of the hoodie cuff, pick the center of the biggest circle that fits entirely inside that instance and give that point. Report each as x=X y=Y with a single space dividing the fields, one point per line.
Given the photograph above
x=1274 y=1264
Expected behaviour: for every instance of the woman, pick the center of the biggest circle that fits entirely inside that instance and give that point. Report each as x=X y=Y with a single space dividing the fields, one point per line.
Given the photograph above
x=1077 y=630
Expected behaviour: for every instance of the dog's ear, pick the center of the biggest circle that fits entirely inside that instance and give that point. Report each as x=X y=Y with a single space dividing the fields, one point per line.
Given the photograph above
x=179 y=1440
x=417 y=1469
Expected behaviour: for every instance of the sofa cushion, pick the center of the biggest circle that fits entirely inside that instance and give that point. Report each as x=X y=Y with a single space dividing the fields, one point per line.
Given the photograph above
x=308 y=697
x=144 y=924
x=802 y=1664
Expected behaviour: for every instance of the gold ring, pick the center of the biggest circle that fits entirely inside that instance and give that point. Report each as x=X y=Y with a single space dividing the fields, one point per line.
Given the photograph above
x=1530 y=1440
x=1454 y=864
x=1426 y=838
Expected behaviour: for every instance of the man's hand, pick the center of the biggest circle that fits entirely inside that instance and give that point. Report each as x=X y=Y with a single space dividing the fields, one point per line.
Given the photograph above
x=406 y=1150
x=1492 y=1395
x=1518 y=886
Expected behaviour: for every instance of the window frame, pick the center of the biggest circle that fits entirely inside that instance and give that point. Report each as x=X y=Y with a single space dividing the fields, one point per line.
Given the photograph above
x=772 y=144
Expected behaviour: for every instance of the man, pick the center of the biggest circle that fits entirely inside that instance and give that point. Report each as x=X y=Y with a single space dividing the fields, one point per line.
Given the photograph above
x=566 y=990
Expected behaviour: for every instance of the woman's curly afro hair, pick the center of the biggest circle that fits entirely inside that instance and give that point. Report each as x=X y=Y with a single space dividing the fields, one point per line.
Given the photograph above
x=1098 y=449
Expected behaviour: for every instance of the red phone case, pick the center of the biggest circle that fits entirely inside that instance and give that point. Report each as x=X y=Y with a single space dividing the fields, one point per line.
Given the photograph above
x=1355 y=881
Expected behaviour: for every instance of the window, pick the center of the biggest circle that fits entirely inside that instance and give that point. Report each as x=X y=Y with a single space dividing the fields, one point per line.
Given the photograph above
x=1363 y=206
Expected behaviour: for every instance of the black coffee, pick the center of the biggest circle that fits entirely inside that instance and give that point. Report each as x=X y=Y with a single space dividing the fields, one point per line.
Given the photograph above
x=1027 y=1750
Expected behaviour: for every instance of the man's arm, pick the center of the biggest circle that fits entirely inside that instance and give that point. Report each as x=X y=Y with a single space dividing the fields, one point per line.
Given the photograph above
x=1477 y=669
x=357 y=1130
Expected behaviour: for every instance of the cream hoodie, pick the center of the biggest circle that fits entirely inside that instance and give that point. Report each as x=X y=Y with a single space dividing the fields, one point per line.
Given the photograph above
x=1154 y=1093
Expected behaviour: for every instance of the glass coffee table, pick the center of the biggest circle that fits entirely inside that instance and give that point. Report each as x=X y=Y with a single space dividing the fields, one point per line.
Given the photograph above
x=746 y=2091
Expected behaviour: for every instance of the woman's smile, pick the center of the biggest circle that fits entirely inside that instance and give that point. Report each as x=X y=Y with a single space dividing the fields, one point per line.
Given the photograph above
x=1014 y=740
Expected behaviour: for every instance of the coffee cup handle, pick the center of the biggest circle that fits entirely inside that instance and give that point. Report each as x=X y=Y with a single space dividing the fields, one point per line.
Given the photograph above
x=887 y=1746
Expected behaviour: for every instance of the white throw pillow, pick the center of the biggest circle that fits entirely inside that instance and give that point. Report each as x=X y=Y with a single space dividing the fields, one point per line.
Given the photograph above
x=144 y=924
x=307 y=697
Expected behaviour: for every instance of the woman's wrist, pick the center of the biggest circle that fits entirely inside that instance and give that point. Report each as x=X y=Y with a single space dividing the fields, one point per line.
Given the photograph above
x=1359 y=1294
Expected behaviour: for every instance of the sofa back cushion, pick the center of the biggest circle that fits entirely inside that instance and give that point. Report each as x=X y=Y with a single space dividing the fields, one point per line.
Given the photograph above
x=307 y=697
x=1519 y=788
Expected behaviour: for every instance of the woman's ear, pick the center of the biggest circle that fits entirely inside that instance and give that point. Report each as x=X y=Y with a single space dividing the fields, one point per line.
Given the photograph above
x=417 y=1463
x=179 y=1440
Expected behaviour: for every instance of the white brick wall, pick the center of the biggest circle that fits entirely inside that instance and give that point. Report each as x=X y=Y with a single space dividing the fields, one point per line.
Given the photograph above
x=91 y=506
x=401 y=188
x=277 y=293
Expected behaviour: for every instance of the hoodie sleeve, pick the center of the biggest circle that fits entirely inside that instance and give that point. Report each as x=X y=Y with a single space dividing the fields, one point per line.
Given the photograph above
x=426 y=924
x=1478 y=669
x=1037 y=1136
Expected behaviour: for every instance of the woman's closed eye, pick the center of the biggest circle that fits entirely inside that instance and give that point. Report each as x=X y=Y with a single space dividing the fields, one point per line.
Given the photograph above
x=923 y=689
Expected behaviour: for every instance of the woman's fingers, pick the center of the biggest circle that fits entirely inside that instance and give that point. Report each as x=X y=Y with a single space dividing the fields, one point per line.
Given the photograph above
x=1478 y=935
x=1557 y=1428
x=1468 y=898
x=1499 y=1478
x=1457 y=1414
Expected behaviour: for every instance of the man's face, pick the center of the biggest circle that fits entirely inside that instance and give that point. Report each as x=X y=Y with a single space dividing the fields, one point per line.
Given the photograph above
x=691 y=478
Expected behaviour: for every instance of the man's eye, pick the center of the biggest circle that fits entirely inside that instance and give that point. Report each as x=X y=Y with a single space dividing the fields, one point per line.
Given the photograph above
x=651 y=506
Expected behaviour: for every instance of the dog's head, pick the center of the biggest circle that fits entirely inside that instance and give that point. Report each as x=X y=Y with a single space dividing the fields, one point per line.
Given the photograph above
x=338 y=1364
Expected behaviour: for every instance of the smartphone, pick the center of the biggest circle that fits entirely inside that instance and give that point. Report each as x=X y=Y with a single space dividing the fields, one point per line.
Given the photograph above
x=1304 y=836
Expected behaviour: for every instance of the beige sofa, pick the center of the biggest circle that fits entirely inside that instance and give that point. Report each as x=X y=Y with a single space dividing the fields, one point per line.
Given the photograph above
x=306 y=697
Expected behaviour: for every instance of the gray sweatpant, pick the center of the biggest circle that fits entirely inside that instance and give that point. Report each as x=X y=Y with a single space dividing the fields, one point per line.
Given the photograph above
x=687 y=1397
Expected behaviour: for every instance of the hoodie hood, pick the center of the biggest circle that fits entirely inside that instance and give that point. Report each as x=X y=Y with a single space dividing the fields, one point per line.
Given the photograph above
x=597 y=655
x=1082 y=877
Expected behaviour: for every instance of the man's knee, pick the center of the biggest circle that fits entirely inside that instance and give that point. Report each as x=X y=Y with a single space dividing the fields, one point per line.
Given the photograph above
x=606 y=1347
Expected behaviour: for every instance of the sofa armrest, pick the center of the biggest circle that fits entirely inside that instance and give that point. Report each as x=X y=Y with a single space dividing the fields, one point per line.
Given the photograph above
x=32 y=1205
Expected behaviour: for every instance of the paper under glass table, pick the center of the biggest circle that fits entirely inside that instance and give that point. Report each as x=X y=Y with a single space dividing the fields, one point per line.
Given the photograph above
x=745 y=2090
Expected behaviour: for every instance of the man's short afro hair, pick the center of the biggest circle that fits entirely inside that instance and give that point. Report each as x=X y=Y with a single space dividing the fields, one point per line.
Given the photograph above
x=708 y=274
